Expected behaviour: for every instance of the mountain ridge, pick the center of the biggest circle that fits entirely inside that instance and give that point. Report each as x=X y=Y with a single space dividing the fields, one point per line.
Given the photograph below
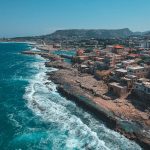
x=91 y=33
x=71 y=34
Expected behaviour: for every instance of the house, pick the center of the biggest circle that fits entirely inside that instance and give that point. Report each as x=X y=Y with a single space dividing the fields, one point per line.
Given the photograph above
x=80 y=59
x=118 y=49
x=129 y=80
x=102 y=75
x=80 y=52
x=109 y=48
x=127 y=63
x=145 y=44
x=100 y=59
x=117 y=58
x=139 y=71
x=118 y=89
x=109 y=59
x=120 y=72
x=100 y=66
x=142 y=89
x=57 y=45
x=133 y=56
x=84 y=68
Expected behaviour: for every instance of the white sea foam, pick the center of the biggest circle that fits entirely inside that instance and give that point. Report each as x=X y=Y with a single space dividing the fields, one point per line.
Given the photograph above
x=43 y=99
x=14 y=121
x=35 y=49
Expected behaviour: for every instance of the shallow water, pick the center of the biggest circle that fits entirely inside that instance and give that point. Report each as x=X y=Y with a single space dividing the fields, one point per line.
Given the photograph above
x=34 y=116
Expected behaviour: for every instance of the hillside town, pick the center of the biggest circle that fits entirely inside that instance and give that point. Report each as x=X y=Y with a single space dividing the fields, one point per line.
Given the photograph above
x=124 y=69
x=124 y=65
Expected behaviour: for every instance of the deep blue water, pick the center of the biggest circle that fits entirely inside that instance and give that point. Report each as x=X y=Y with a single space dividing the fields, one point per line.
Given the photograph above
x=33 y=116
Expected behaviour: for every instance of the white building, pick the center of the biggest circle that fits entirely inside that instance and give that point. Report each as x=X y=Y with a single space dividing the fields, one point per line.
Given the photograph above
x=142 y=89
x=145 y=44
x=138 y=71
x=127 y=63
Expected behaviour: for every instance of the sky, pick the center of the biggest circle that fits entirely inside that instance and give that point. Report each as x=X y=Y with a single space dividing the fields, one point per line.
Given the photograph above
x=38 y=17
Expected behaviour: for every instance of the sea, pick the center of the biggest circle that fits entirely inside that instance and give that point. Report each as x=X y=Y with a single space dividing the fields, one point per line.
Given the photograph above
x=34 y=116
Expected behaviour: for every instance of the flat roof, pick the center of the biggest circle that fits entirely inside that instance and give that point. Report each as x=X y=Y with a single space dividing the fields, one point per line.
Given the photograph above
x=128 y=61
x=117 y=85
x=131 y=76
x=144 y=83
x=121 y=70
x=126 y=79
x=84 y=66
x=147 y=84
x=135 y=67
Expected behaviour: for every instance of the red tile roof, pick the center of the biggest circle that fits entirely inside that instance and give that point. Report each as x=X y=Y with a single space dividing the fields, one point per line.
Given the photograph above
x=118 y=47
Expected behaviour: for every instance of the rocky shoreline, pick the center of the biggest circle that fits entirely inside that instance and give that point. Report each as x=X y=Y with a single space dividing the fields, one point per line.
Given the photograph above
x=75 y=86
x=89 y=93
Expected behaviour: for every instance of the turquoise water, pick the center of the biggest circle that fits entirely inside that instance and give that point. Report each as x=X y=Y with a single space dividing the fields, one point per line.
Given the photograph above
x=35 y=117
x=66 y=52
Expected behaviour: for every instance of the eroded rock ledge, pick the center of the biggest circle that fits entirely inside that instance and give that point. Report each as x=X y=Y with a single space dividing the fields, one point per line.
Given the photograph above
x=86 y=91
x=120 y=115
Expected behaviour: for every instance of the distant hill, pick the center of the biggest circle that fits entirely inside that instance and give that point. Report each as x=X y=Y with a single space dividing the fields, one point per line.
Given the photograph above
x=73 y=34
x=147 y=33
x=93 y=33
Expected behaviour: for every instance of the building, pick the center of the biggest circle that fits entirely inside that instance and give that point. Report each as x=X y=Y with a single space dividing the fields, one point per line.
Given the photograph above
x=118 y=89
x=120 y=72
x=80 y=52
x=109 y=48
x=145 y=44
x=142 y=89
x=117 y=58
x=57 y=45
x=100 y=59
x=84 y=69
x=138 y=71
x=100 y=66
x=129 y=80
x=109 y=60
x=133 y=56
x=127 y=63
x=80 y=59
x=118 y=49
x=112 y=59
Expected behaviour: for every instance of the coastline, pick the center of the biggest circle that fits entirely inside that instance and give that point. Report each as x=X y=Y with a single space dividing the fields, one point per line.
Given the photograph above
x=84 y=98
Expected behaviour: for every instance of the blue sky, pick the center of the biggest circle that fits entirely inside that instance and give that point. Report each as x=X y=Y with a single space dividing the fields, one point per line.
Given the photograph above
x=36 y=17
